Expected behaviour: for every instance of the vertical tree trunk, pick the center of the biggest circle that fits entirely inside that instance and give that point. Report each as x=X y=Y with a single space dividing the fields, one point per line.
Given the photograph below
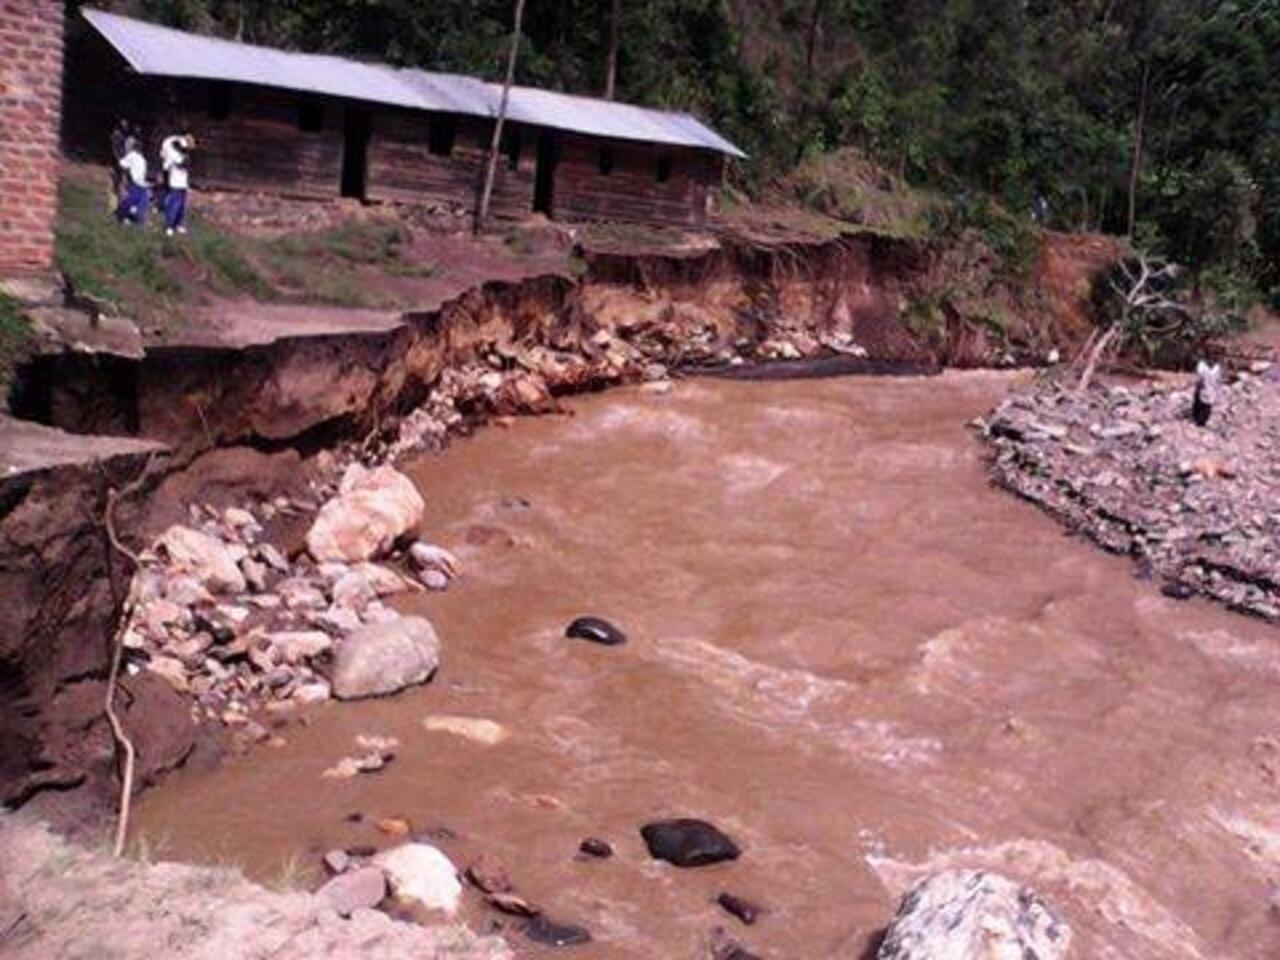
x=1138 y=134
x=811 y=43
x=482 y=213
x=611 y=68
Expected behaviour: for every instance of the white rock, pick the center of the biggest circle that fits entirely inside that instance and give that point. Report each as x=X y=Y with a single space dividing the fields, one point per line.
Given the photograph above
x=383 y=581
x=379 y=613
x=338 y=619
x=299 y=594
x=352 y=591
x=255 y=574
x=434 y=580
x=295 y=646
x=420 y=873
x=372 y=510
x=171 y=669
x=237 y=517
x=206 y=558
x=488 y=732
x=382 y=658
x=314 y=692
x=428 y=556
x=973 y=915
x=273 y=558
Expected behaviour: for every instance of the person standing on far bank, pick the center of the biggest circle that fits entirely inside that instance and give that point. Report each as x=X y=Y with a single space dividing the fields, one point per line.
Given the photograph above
x=133 y=205
x=174 y=152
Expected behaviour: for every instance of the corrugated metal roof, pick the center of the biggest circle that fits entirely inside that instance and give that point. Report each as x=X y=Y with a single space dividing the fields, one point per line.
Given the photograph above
x=159 y=51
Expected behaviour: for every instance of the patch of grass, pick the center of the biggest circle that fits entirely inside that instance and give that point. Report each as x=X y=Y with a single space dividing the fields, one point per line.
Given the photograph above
x=144 y=275
x=15 y=340
x=845 y=185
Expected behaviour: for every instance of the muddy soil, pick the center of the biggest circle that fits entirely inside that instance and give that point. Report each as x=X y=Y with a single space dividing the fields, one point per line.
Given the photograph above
x=847 y=649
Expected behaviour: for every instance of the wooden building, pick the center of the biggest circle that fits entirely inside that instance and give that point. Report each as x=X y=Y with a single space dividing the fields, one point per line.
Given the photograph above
x=308 y=125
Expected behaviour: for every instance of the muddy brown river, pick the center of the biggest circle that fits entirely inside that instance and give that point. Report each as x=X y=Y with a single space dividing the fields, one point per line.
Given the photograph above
x=847 y=650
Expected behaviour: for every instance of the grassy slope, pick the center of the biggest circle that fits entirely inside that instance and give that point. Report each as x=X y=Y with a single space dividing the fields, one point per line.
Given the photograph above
x=144 y=275
x=15 y=340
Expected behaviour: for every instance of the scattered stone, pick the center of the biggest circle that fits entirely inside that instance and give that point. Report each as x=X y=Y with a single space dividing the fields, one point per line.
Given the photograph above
x=298 y=646
x=973 y=915
x=687 y=842
x=373 y=509
x=472 y=728
x=206 y=558
x=596 y=630
x=273 y=558
x=421 y=873
x=255 y=574
x=360 y=889
x=337 y=861
x=550 y=933
x=383 y=658
x=1195 y=506
x=394 y=826
x=434 y=580
x=743 y=909
x=511 y=903
x=428 y=556
x=595 y=847
x=315 y=692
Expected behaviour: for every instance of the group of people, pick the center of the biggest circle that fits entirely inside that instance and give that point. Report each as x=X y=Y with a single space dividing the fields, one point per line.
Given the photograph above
x=132 y=186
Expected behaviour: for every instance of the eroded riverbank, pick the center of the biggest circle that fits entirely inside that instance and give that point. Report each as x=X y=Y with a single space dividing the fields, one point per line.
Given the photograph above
x=846 y=648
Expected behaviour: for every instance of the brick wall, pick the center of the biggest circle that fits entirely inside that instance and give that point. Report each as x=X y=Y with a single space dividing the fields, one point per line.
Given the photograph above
x=31 y=40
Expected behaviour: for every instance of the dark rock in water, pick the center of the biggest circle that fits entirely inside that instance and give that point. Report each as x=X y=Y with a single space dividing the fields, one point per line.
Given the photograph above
x=1177 y=590
x=544 y=930
x=688 y=843
x=595 y=847
x=744 y=910
x=597 y=631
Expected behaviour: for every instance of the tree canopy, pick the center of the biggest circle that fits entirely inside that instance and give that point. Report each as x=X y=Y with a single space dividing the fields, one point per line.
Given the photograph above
x=1068 y=105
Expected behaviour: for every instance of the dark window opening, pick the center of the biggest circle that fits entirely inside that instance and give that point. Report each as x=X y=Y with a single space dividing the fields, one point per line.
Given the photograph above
x=357 y=129
x=606 y=161
x=219 y=101
x=310 y=115
x=441 y=133
x=663 y=172
x=544 y=181
x=511 y=147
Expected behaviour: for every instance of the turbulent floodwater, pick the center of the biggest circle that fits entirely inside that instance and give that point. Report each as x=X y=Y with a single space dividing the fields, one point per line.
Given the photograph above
x=847 y=650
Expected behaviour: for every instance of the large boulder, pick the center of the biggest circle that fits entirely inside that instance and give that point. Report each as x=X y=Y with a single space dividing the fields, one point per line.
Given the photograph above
x=686 y=842
x=973 y=915
x=419 y=873
x=382 y=658
x=207 y=559
x=372 y=510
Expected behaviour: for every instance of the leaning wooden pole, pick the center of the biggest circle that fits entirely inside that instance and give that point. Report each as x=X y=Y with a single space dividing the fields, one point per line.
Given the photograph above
x=482 y=213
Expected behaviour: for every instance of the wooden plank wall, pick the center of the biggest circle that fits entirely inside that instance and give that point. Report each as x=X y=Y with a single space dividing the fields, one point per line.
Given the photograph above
x=630 y=191
x=259 y=146
x=402 y=168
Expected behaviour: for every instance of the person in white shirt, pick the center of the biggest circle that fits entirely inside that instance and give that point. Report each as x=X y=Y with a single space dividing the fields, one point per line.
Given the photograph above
x=174 y=152
x=133 y=205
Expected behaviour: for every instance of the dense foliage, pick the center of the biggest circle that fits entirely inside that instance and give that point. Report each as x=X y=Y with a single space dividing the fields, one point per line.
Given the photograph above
x=1052 y=105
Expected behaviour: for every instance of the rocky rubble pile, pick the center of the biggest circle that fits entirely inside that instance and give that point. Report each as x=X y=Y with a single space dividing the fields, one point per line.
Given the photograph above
x=225 y=616
x=1197 y=507
x=509 y=379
